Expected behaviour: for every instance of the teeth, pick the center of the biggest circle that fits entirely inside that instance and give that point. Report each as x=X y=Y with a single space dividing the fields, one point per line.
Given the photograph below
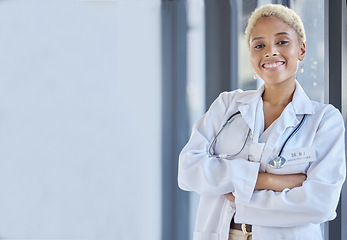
x=272 y=65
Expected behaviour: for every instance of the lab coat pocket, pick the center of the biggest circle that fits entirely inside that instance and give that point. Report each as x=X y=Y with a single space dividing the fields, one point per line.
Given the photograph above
x=205 y=236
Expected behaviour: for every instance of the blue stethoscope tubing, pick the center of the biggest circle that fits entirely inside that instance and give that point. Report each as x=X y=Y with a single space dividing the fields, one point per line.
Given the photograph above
x=275 y=162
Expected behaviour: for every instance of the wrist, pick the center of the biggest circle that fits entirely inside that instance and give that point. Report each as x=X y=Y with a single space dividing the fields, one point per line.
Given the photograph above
x=263 y=181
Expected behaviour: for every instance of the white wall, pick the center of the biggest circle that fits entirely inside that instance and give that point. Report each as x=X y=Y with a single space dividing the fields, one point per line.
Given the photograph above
x=80 y=102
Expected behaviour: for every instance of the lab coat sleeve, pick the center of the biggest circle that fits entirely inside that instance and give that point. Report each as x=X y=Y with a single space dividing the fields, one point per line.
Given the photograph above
x=316 y=200
x=210 y=176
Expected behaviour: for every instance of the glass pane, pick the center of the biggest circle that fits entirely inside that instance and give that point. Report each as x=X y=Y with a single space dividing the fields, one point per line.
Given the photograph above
x=195 y=80
x=312 y=79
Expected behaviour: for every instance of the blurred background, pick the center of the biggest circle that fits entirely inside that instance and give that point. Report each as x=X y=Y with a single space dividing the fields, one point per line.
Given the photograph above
x=97 y=99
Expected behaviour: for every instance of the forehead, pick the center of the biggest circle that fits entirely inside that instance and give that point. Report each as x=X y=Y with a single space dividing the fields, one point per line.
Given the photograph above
x=271 y=26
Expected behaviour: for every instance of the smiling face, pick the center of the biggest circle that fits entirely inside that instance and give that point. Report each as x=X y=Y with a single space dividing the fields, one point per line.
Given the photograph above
x=275 y=51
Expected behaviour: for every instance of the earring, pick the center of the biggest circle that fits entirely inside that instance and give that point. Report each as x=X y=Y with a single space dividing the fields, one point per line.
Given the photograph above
x=255 y=76
x=301 y=68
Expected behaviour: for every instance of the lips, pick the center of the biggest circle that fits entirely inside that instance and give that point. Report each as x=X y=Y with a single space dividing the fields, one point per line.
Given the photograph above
x=272 y=65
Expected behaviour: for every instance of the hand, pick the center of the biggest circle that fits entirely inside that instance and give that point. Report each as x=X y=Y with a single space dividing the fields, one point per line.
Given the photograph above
x=290 y=181
x=230 y=197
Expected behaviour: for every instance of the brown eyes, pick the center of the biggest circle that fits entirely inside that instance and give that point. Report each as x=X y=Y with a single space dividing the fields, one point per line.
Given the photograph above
x=282 y=42
x=259 y=46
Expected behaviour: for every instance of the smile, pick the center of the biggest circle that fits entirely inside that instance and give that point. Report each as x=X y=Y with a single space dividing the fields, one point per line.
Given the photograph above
x=272 y=65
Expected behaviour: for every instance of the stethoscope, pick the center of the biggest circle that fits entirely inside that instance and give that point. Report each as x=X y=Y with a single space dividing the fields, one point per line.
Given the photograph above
x=276 y=161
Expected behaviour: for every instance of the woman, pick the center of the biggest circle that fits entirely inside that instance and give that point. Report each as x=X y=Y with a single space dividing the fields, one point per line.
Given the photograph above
x=275 y=170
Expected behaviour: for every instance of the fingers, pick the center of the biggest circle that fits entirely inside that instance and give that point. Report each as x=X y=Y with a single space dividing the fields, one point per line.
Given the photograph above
x=296 y=180
x=302 y=179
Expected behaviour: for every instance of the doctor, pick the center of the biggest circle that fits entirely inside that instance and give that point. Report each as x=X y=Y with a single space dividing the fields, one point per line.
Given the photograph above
x=268 y=164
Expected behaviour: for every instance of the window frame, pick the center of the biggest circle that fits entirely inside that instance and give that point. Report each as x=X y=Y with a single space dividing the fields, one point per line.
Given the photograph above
x=336 y=89
x=175 y=203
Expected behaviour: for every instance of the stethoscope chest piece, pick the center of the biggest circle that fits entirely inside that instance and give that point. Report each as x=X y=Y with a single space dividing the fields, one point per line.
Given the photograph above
x=277 y=162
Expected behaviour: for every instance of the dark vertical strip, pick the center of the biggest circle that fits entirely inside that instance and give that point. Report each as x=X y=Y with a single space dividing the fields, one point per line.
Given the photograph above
x=335 y=56
x=344 y=112
x=286 y=3
x=175 y=214
x=334 y=19
x=218 y=28
x=234 y=45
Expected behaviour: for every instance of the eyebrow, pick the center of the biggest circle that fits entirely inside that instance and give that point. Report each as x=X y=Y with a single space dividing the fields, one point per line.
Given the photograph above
x=277 y=34
x=282 y=33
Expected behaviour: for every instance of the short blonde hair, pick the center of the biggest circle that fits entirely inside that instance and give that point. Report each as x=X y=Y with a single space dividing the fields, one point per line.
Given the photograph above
x=276 y=10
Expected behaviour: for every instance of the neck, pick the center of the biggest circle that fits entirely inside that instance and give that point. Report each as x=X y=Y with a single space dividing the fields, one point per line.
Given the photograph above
x=279 y=94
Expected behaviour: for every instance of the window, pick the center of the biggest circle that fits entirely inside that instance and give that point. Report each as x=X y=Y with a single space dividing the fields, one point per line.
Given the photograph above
x=316 y=78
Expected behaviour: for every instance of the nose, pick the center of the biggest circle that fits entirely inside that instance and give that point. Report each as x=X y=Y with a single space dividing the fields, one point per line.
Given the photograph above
x=272 y=52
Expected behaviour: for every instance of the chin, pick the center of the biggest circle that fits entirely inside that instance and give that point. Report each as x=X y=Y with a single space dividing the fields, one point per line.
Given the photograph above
x=277 y=78
x=279 y=81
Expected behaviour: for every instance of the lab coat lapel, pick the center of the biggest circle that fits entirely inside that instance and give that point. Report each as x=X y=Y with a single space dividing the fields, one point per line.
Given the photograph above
x=248 y=106
x=301 y=102
x=290 y=118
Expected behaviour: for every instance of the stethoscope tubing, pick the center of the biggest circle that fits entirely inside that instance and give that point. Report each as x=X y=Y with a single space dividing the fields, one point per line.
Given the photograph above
x=292 y=134
x=215 y=139
x=245 y=142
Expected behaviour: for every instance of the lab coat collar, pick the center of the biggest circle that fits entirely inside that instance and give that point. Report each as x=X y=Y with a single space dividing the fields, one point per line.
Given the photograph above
x=300 y=105
x=248 y=105
x=301 y=102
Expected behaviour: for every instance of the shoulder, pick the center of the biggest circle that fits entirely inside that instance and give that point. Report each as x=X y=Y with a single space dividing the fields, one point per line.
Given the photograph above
x=237 y=95
x=326 y=109
x=230 y=94
x=327 y=113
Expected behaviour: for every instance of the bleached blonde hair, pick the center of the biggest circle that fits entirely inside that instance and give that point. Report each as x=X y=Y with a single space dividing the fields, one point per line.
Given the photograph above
x=276 y=10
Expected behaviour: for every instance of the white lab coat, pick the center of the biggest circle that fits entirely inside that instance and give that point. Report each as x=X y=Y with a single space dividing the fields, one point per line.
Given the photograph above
x=293 y=214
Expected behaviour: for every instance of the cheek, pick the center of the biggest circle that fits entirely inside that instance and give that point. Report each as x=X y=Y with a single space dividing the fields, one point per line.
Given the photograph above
x=294 y=53
x=295 y=59
x=254 y=60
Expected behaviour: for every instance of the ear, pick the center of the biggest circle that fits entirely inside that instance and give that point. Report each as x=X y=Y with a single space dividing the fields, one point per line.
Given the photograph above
x=302 y=52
